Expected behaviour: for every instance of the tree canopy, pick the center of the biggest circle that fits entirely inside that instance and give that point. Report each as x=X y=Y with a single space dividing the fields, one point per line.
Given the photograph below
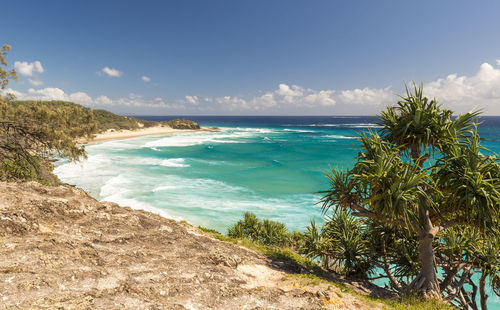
x=31 y=133
x=429 y=199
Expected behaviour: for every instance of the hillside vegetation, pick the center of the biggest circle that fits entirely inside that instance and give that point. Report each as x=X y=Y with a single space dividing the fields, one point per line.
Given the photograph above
x=32 y=133
x=106 y=120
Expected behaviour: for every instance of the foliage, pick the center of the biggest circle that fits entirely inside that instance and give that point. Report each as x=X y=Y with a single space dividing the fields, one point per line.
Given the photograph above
x=314 y=275
x=180 y=123
x=340 y=245
x=31 y=134
x=106 y=120
x=5 y=75
x=428 y=198
x=348 y=247
x=265 y=231
x=416 y=303
x=209 y=230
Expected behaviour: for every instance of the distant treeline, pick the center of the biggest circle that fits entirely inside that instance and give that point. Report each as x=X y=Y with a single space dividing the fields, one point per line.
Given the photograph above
x=106 y=120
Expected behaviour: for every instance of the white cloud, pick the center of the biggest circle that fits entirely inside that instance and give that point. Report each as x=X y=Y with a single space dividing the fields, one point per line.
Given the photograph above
x=294 y=91
x=81 y=98
x=285 y=96
x=232 y=103
x=138 y=101
x=103 y=101
x=263 y=102
x=192 y=99
x=146 y=78
x=457 y=92
x=323 y=97
x=53 y=93
x=11 y=91
x=49 y=93
x=367 y=96
x=296 y=96
x=462 y=93
x=28 y=68
x=289 y=94
x=110 y=72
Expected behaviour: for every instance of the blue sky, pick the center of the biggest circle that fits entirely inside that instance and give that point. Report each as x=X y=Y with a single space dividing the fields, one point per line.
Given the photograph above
x=253 y=57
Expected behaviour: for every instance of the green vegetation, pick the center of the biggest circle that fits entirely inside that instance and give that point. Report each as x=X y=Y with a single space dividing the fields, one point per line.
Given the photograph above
x=416 y=303
x=421 y=200
x=266 y=232
x=341 y=245
x=314 y=274
x=208 y=230
x=181 y=123
x=422 y=196
x=31 y=134
x=405 y=303
x=106 y=120
x=426 y=199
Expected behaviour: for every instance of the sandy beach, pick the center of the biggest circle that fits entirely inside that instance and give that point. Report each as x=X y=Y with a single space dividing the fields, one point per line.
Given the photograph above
x=150 y=131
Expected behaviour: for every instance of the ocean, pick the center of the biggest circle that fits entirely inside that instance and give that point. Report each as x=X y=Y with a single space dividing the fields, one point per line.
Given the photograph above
x=272 y=166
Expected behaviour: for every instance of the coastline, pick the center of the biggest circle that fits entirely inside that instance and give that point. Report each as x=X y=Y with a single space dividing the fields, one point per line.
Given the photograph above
x=141 y=132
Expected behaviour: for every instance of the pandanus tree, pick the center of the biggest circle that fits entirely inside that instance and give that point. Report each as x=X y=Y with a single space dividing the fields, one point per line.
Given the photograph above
x=423 y=173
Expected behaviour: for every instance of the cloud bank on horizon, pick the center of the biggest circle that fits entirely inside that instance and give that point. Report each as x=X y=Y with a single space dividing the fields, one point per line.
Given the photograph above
x=459 y=93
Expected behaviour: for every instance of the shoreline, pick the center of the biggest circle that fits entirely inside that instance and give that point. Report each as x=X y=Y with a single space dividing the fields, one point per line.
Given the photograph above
x=141 y=132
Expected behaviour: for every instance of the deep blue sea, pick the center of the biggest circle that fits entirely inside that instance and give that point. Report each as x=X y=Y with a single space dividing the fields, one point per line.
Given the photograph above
x=272 y=166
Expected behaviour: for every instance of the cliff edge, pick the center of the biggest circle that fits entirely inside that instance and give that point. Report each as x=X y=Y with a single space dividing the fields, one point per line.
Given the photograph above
x=60 y=248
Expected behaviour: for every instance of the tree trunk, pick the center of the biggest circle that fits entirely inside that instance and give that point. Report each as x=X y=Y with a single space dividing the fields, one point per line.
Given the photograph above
x=482 y=291
x=426 y=283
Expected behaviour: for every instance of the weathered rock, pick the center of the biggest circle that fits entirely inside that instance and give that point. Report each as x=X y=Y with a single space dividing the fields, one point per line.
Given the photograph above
x=62 y=249
x=180 y=123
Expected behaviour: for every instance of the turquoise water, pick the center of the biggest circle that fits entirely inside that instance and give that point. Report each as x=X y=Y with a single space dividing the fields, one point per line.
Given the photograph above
x=211 y=178
x=272 y=166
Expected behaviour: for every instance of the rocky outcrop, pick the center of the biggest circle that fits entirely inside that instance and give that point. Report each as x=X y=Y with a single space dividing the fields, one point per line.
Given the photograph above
x=180 y=123
x=62 y=249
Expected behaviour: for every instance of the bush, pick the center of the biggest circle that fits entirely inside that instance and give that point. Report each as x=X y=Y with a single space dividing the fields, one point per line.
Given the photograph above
x=265 y=231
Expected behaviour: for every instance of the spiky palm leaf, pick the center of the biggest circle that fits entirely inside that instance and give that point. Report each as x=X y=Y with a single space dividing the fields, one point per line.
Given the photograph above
x=380 y=182
x=417 y=122
x=349 y=248
x=472 y=183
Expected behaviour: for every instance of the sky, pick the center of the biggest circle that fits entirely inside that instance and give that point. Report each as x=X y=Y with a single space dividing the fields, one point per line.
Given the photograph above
x=253 y=57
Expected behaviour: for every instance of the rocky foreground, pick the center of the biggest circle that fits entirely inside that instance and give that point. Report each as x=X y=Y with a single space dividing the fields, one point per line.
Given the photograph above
x=62 y=249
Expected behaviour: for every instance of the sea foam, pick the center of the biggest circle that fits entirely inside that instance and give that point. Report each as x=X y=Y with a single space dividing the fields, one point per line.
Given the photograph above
x=182 y=140
x=173 y=162
x=338 y=137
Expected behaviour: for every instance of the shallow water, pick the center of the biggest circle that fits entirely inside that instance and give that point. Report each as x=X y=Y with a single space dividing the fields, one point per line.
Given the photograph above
x=266 y=166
